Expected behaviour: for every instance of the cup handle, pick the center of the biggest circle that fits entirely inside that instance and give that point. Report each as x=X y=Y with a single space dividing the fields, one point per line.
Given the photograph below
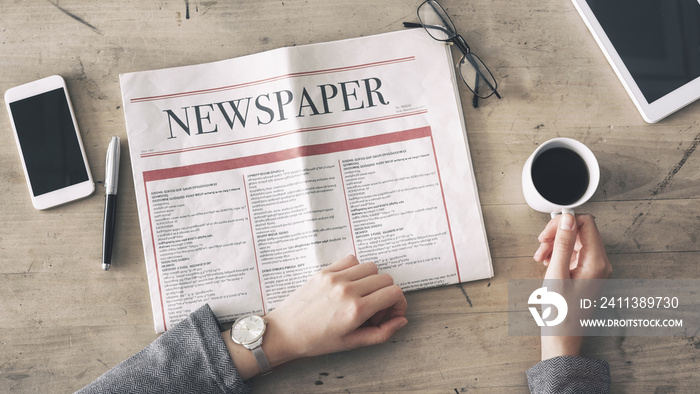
x=565 y=210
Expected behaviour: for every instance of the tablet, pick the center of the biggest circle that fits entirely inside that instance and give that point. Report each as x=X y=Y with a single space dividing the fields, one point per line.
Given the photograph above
x=654 y=48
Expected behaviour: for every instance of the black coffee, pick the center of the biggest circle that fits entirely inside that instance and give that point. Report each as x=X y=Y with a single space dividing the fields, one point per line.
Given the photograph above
x=560 y=175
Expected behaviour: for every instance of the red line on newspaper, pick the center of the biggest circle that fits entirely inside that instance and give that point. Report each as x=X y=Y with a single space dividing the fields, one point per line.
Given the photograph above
x=155 y=257
x=447 y=216
x=347 y=209
x=271 y=79
x=255 y=251
x=281 y=134
x=287 y=154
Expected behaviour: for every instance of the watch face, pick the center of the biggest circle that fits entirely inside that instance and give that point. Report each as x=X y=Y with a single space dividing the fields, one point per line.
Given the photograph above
x=248 y=329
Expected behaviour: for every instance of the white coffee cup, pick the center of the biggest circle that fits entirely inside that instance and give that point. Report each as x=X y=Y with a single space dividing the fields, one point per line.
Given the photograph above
x=535 y=199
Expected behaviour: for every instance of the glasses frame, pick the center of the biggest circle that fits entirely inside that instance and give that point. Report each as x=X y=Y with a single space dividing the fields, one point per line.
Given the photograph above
x=459 y=41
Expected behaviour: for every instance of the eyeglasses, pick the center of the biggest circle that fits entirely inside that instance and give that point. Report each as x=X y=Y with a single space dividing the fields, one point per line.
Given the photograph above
x=473 y=71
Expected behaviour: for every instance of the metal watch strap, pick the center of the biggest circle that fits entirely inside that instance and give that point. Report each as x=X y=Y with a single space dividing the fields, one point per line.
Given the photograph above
x=262 y=360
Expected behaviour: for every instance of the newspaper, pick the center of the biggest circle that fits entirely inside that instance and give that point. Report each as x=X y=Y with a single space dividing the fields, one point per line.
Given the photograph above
x=253 y=173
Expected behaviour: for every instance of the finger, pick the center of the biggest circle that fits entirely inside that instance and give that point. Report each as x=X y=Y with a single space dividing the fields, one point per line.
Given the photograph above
x=374 y=335
x=359 y=271
x=390 y=297
x=550 y=230
x=372 y=283
x=378 y=317
x=593 y=261
x=588 y=231
x=342 y=264
x=563 y=247
x=546 y=239
x=543 y=252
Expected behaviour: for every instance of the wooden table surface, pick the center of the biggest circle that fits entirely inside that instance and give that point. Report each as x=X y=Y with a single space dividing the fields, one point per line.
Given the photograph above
x=64 y=322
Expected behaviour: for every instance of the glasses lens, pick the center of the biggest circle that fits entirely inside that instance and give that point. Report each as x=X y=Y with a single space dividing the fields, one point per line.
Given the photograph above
x=435 y=21
x=477 y=77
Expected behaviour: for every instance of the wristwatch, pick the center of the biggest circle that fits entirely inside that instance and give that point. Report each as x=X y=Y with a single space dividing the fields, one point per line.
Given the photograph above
x=248 y=331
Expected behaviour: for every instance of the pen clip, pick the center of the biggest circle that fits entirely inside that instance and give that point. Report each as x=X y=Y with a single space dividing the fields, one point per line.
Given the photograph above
x=112 y=166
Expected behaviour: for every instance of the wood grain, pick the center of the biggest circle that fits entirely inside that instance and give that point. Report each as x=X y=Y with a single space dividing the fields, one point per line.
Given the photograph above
x=63 y=321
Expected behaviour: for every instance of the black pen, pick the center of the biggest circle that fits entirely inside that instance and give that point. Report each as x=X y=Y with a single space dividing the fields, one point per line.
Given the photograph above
x=111 y=182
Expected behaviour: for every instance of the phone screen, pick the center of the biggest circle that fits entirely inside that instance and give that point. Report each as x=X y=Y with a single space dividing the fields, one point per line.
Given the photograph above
x=49 y=141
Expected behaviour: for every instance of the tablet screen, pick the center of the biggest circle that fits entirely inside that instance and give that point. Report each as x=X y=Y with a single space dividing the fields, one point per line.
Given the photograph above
x=658 y=40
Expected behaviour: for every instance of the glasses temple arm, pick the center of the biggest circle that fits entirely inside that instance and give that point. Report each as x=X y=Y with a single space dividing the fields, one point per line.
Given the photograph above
x=480 y=74
x=475 y=99
x=447 y=32
x=412 y=24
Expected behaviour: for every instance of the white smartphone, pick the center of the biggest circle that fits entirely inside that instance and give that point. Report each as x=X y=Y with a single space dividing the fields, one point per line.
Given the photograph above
x=49 y=142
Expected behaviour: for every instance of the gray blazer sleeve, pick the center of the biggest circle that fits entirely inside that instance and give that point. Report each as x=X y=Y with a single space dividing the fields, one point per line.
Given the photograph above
x=190 y=357
x=568 y=374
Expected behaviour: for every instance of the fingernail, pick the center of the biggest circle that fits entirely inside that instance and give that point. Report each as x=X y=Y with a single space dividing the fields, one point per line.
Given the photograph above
x=567 y=222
